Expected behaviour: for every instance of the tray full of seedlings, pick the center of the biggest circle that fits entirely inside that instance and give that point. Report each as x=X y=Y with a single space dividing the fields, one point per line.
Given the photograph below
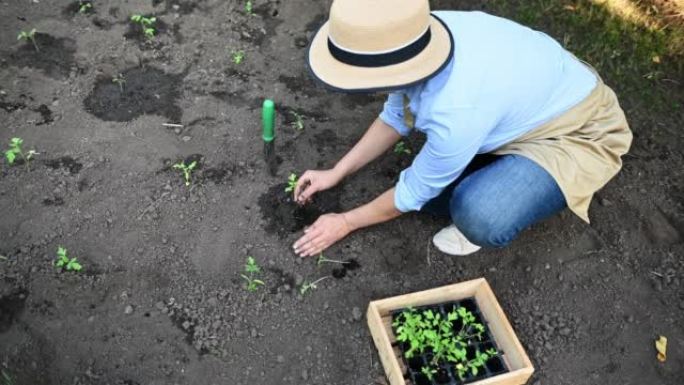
x=456 y=334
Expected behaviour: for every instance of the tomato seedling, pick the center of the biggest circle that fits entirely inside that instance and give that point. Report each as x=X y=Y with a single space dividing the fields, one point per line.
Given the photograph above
x=248 y=8
x=186 y=169
x=15 y=150
x=308 y=286
x=29 y=36
x=298 y=122
x=430 y=331
x=6 y=378
x=84 y=6
x=322 y=259
x=401 y=149
x=251 y=269
x=146 y=23
x=237 y=57
x=291 y=183
x=120 y=81
x=63 y=261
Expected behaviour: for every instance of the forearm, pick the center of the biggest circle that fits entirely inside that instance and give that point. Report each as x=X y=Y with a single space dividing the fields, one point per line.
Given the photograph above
x=381 y=209
x=378 y=138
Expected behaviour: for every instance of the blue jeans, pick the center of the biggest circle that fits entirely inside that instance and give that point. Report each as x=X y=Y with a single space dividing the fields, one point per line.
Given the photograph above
x=497 y=197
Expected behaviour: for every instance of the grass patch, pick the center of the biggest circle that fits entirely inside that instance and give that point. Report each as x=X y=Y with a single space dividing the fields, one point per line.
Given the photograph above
x=637 y=54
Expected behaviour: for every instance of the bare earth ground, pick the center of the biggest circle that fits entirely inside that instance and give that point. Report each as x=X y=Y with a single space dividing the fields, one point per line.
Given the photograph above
x=160 y=300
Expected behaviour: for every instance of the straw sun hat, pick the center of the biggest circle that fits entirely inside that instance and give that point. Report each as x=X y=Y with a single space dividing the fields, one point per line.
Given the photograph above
x=379 y=45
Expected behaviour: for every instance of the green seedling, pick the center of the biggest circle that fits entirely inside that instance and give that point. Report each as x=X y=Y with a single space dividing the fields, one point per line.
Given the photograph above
x=120 y=81
x=16 y=150
x=298 y=122
x=308 y=286
x=2 y=257
x=6 y=379
x=291 y=183
x=84 y=6
x=146 y=23
x=401 y=149
x=186 y=169
x=248 y=8
x=322 y=259
x=431 y=331
x=29 y=36
x=251 y=269
x=63 y=261
x=428 y=372
x=238 y=57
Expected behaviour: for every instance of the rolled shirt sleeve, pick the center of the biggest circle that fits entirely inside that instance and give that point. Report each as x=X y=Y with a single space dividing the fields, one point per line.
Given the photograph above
x=393 y=113
x=442 y=159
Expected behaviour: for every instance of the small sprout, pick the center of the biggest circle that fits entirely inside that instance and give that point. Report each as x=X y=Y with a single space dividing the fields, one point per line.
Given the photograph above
x=15 y=149
x=186 y=170
x=120 y=81
x=401 y=149
x=298 y=122
x=308 y=286
x=84 y=6
x=238 y=57
x=29 y=36
x=6 y=379
x=251 y=269
x=322 y=259
x=2 y=257
x=291 y=183
x=248 y=7
x=64 y=262
x=428 y=372
x=146 y=23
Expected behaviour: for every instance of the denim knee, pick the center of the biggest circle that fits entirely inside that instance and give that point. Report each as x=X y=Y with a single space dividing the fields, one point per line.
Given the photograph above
x=480 y=225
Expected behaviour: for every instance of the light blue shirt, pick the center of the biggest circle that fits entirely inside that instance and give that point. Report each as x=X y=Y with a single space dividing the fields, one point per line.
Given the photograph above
x=503 y=81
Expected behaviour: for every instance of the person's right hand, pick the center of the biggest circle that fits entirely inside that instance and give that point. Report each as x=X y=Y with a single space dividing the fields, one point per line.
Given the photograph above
x=313 y=181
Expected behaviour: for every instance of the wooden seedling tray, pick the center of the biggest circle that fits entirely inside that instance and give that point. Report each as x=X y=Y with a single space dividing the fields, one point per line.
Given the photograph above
x=514 y=356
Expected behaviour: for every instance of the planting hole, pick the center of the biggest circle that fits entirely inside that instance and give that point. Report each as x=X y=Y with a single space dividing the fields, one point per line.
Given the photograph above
x=283 y=216
x=138 y=91
x=11 y=307
x=55 y=58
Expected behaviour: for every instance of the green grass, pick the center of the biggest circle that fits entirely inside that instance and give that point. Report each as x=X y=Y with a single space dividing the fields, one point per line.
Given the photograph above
x=638 y=60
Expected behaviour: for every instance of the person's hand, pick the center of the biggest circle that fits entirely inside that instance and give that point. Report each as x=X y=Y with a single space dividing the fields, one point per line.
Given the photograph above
x=325 y=232
x=313 y=181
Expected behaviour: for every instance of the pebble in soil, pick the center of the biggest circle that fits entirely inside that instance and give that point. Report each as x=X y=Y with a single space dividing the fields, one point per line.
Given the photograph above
x=145 y=91
x=283 y=216
x=55 y=56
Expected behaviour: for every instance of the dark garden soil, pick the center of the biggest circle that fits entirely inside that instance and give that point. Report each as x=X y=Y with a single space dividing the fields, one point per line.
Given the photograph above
x=160 y=299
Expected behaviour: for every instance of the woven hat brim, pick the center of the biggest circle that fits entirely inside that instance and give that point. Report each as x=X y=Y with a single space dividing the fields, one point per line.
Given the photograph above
x=343 y=77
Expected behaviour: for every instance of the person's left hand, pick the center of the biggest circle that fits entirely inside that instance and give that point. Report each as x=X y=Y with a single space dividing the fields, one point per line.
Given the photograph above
x=325 y=232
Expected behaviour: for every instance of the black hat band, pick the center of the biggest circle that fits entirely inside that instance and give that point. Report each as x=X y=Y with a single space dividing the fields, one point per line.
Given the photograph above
x=382 y=59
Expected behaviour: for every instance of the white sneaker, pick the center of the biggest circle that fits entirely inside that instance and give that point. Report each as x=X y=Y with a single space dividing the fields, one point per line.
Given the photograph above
x=451 y=241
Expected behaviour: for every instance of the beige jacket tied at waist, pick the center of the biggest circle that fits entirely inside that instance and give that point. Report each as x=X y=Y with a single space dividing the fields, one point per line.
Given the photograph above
x=581 y=148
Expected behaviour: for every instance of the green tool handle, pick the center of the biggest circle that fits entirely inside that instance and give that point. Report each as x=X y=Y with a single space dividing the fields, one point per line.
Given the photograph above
x=268 y=120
